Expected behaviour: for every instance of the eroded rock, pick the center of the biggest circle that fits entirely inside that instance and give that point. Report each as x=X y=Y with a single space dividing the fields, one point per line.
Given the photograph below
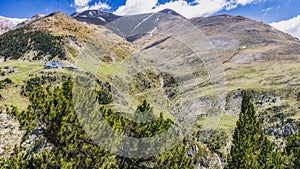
x=10 y=134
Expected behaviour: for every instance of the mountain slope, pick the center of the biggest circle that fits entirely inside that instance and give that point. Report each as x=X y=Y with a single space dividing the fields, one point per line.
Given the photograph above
x=56 y=36
x=251 y=55
x=243 y=40
x=95 y=17
x=7 y=24
x=43 y=38
x=239 y=39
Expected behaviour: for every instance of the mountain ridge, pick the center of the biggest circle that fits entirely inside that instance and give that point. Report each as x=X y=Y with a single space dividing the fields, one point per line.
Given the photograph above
x=92 y=15
x=228 y=34
x=7 y=24
x=95 y=17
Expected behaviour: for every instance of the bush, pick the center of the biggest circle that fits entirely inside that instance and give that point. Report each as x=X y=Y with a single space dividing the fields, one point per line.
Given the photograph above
x=8 y=81
x=5 y=82
x=104 y=97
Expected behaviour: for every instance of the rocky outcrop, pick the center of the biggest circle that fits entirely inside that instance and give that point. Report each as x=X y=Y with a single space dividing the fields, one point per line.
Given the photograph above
x=284 y=131
x=36 y=140
x=266 y=99
x=203 y=157
x=233 y=102
x=10 y=134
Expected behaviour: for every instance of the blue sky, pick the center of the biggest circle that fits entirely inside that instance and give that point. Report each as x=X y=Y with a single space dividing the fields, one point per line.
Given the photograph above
x=263 y=10
x=268 y=10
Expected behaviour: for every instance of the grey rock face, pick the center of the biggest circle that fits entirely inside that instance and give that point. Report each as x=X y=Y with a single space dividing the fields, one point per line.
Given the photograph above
x=36 y=140
x=10 y=134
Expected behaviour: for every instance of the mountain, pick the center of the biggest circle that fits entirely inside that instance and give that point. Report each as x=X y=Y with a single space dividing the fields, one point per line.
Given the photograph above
x=171 y=12
x=42 y=38
x=33 y=18
x=245 y=40
x=234 y=52
x=55 y=36
x=239 y=39
x=193 y=70
x=7 y=24
x=95 y=17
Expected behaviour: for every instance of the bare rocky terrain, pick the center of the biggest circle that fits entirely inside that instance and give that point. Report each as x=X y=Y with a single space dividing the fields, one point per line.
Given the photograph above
x=10 y=134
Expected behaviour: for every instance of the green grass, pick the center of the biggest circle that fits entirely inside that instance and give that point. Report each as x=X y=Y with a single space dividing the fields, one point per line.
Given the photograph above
x=22 y=72
x=228 y=122
x=106 y=70
x=264 y=75
x=23 y=69
x=12 y=97
x=224 y=122
x=12 y=92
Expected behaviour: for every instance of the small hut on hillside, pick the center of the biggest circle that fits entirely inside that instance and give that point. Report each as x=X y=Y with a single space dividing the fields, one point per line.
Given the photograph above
x=53 y=65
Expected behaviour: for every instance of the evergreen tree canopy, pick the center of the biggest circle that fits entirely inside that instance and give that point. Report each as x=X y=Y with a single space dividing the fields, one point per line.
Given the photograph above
x=53 y=108
x=250 y=147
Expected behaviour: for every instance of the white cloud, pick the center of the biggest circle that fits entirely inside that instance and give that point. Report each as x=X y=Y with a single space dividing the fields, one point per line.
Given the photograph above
x=266 y=10
x=244 y=2
x=200 y=8
x=193 y=9
x=83 y=5
x=291 y=26
x=96 y=6
x=136 y=7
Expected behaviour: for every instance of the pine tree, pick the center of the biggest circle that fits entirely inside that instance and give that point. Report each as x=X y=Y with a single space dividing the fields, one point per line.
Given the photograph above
x=293 y=149
x=53 y=108
x=296 y=159
x=265 y=156
x=250 y=147
x=277 y=160
x=244 y=149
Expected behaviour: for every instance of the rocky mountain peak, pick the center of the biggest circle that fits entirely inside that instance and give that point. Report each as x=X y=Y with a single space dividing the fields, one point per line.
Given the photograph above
x=37 y=16
x=170 y=11
x=95 y=17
